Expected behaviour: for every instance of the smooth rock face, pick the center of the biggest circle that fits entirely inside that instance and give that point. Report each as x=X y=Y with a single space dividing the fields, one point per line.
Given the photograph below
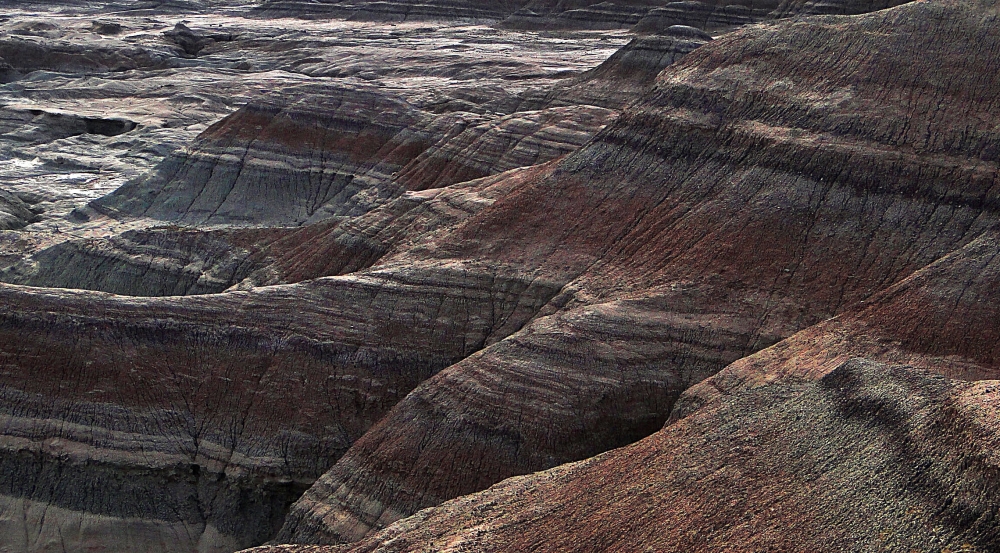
x=755 y=192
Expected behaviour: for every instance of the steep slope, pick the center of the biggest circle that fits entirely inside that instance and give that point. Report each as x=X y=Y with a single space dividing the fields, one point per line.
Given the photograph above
x=155 y=262
x=175 y=261
x=314 y=152
x=792 y=447
x=943 y=318
x=201 y=401
x=773 y=178
x=14 y=213
x=869 y=457
x=624 y=76
x=303 y=154
x=518 y=140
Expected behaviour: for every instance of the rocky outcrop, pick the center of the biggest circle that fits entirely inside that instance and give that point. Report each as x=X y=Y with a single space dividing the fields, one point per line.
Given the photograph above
x=340 y=152
x=868 y=457
x=624 y=76
x=943 y=318
x=518 y=140
x=155 y=262
x=25 y=55
x=14 y=213
x=403 y=225
x=753 y=193
x=770 y=180
x=303 y=155
x=204 y=399
x=701 y=15
x=192 y=42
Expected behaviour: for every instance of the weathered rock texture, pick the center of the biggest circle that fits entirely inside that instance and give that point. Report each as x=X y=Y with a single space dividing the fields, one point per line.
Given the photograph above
x=304 y=155
x=207 y=398
x=624 y=76
x=943 y=318
x=408 y=10
x=340 y=151
x=482 y=329
x=22 y=55
x=14 y=213
x=869 y=457
x=643 y=15
x=156 y=262
x=518 y=140
x=756 y=191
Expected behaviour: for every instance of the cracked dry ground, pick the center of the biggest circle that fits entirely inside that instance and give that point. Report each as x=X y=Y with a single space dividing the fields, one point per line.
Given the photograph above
x=430 y=285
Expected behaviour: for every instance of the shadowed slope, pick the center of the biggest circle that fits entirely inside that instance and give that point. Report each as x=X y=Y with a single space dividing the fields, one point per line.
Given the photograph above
x=623 y=77
x=306 y=154
x=14 y=213
x=773 y=177
x=770 y=180
x=943 y=318
x=206 y=397
x=869 y=457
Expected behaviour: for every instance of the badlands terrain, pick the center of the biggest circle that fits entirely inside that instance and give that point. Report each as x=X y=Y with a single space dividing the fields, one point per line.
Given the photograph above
x=335 y=276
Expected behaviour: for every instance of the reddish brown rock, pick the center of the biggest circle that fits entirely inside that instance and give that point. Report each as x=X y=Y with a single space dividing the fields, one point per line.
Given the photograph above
x=755 y=192
x=519 y=140
x=303 y=155
x=870 y=457
x=771 y=179
x=943 y=318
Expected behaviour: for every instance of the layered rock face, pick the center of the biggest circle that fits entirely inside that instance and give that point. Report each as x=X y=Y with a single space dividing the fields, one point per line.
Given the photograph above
x=644 y=16
x=942 y=318
x=308 y=155
x=156 y=262
x=454 y=291
x=339 y=151
x=753 y=193
x=409 y=10
x=624 y=76
x=868 y=457
x=518 y=140
x=23 y=55
x=205 y=399
x=177 y=424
